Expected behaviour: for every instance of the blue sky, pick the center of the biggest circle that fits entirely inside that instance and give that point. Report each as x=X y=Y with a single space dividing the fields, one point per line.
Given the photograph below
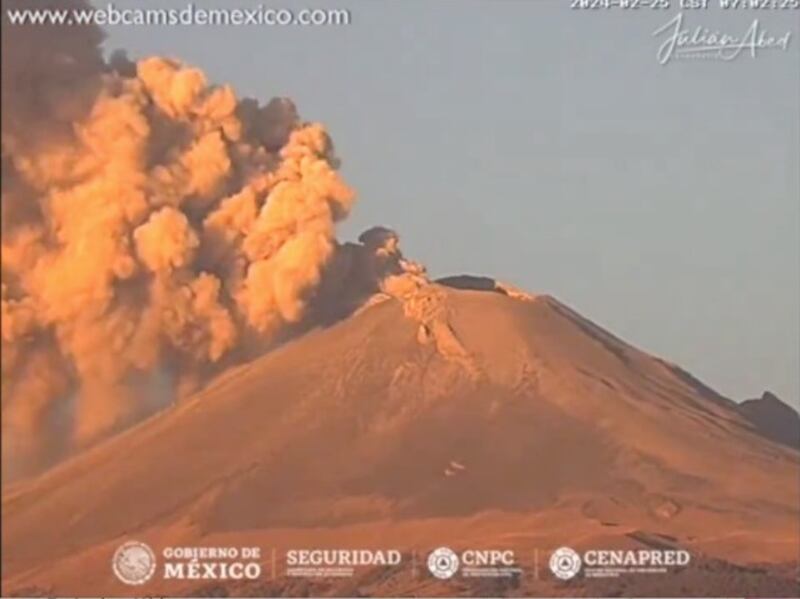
x=549 y=148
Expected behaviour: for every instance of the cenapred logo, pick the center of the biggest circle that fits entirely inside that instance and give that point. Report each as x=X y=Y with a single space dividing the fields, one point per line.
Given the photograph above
x=443 y=563
x=134 y=563
x=565 y=563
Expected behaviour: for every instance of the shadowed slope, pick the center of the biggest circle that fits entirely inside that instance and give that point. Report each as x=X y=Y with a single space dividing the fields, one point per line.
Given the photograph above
x=773 y=419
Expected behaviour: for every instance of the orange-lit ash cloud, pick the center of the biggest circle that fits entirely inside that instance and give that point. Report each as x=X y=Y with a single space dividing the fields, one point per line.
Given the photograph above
x=153 y=227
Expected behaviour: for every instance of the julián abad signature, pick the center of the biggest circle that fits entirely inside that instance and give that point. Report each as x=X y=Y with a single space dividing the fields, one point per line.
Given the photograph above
x=701 y=42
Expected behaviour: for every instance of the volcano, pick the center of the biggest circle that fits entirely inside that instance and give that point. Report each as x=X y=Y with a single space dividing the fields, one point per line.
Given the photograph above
x=497 y=419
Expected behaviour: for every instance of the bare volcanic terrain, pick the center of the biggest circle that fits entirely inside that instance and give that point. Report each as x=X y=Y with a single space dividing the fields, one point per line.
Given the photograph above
x=496 y=419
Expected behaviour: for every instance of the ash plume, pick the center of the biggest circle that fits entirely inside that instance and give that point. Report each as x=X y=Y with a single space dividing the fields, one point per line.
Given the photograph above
x=154 y=228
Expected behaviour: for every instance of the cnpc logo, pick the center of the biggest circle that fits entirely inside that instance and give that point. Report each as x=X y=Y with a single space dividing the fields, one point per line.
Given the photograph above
x=444 y=562
x=491 y=557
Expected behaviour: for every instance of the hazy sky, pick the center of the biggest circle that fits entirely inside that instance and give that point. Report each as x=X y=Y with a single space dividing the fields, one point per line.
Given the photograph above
x=548 y=147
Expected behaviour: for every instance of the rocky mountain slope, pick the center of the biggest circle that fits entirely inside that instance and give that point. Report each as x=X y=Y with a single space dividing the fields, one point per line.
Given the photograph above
x=561 y=434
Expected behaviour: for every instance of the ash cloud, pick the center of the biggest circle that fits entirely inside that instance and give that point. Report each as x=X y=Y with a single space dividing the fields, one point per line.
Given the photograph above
x=155 y=228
